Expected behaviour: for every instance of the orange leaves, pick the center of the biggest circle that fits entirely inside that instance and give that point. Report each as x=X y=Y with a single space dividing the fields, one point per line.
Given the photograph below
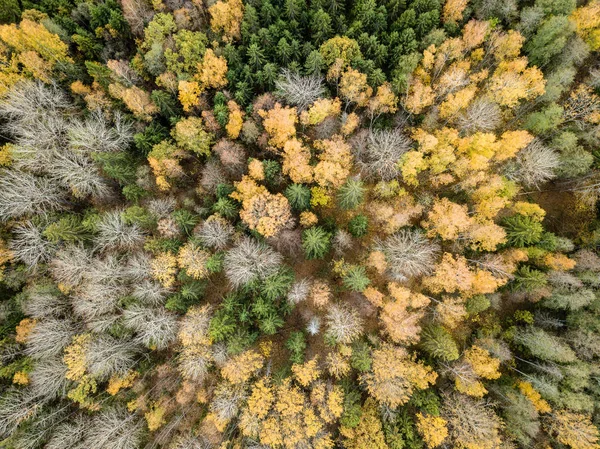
x=335 y=162
x=296 y=158
x=280 y=123
x=226 y=17
x=400 y=317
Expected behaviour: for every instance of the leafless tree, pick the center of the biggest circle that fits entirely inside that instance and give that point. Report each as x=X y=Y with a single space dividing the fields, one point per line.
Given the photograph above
x=534 y=165
x=481 y=115
x=471 y=422
x=80 y=174
x=161 y=207
x=153 y=326
x=49 y=337
x=33 y=101
x=215 y=232
x=92 y=299
x=190 y=441
x=344 y=325
x=227 y=401
x=26 y=194
x=16 y=407
x=342 y=241
x=138 y=267
x=378 y=153
x=298 y=90
x=149 y=292
x=249 y=260
x=314 y=326
x=68 y=434
x=115 y=233
x=212 y=175
x=96 y=134
x=114 y=428
x=47 y=379
x=70 y=265
x=108 y=355
x=29 y=245
x=299 y=291
x=408 y=253
x=41 y=304
x=232 y=156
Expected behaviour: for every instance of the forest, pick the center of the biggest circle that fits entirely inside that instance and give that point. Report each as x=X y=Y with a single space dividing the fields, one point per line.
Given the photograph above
x=300 y=224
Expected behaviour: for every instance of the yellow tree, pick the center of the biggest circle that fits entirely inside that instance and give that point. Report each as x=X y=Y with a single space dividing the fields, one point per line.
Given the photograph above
x=433 y=429
x=354 y=87
x=212 y=71
x=280 y=124
x=401 y=317
x=575 y=430
x=226 y=17
x=335 y=162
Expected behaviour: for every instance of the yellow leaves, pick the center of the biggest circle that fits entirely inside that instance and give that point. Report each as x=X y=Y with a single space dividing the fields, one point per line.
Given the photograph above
x=23 y=329
x=350 y=124
x=189 y=94
x=529 y=210
x=340 y=48
x=433 y=429
x=307 y=372
x=246 y=189
x=261 y=399
x=236 y=120
x=536 y=399
x=155 y=417
x=319 y=197
x=575 y=430
x=212 y=70
x=447 y=219
x=193 y=259
x=81 y=393
x=280 y=124
x=475 y=365
x=482 y=363
x=453 y=10
x=296 y=158
x=75 y=357
x=320 y=110
x=400 y=317
x=587 y=23
x=384 y=101
x=374 y=296
x=369 y=431
x=137 y=100
x=507 y=45
x=454 y=275
x=395 y=375
x=411 y=164
x=558 y=262
x=511 y=142
x=354 y=87
x=190 y=135
x=308 y=219
x=486 y=235
x=226 y=17
x=164 y=269
x=420 y=96
x=256 y=170
x=242 y=367
x=20 y=378
x=335 y=162
x=456 y=102
x=116 y=383
x=512 y=82
x=266 y=213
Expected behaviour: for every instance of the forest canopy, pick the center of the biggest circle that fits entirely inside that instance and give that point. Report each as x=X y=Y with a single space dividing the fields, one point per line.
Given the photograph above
x=293 y=224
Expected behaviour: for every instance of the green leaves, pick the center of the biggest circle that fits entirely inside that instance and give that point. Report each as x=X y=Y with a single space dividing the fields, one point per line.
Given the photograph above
x=316 y=242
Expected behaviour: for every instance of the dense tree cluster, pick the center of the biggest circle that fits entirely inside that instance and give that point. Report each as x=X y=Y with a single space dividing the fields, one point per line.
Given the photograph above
x=290 y=224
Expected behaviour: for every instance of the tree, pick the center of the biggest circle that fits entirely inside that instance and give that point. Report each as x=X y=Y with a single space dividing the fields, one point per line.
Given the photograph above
x=298 y=90
x=226 y=17
x=189 y=134
x=250 y=260
x=316 y=242
x=358 y=226
x=355 y=278
x=438 y=343
x=409 y=254
x=343 y=324
x=299 y=196
x=351 y=194
x=574 y=430
x=522 y=230
x=432 y=428
x=543 y=345
x=549 y=40
x=534 y=165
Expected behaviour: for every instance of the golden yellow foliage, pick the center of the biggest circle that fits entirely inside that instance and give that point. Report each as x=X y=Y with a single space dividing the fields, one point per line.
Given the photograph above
x=226 y=17
x=236 y=120
x=575 y=430
x=256 y=170
x=75 y=356
x=5 y=155
x=433 y=429
x=211 y=71
x=354 y=87
x=447 y=219
x=587 y=23
x=369 y=431
x=193 y=259
x=23 y=329
x=558 y=262
x=384 y=101
x=307 y=372
x=308 y=219
x=242 y=367
x=351 y=122
x=400 y=317
x=266 y=213
x=320 y=110
x=20 y=378
x=116 y=383
x=296 y=158
x=536 y=399
x=155 y=417
x=189 y=94
x=164 y=269
x=280 y=123
x=335 y=162
x=137 y=100
x=453 y=11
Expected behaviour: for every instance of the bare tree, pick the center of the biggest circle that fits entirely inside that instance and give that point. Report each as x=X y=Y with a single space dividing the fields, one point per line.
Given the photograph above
x=41 y=304
x=190 y=441
x=378 y=153
x=68 y=434
x=47 y=379
x=215 y=232
x=49 y=337
x=114 y=428
x=408 y=253
x=227 y=401
x=299 y=90
x=33 y=101
x=481 y=115
x=29 y=245
x=534 y=165
x=80 y=174
x=70 y=265
x=94 y=299
x=154 y=326
x=249 y=260
x=314 y=326
x=149 y=292
x=212 y=175
x=115 y=233
x=161 y=207
x=342 y=241
x=96 y=134
x=299 y=291
x=343 y=324
x=108 y=355
x=26 y=194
